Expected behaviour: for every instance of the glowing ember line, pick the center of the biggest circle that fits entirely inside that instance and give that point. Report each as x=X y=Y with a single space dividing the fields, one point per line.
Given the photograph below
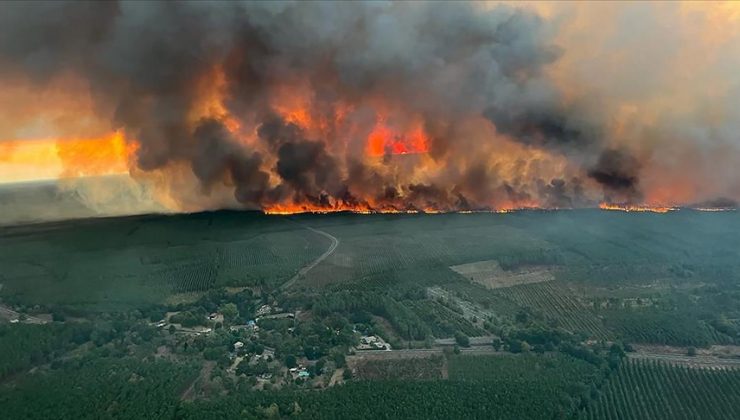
x=636 y=208
x=713 y=209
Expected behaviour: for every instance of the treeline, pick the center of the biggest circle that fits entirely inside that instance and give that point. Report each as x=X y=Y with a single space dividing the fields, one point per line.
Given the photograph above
x=405 y=321
x=25 y=345
x=477 y=399
x=94 y=388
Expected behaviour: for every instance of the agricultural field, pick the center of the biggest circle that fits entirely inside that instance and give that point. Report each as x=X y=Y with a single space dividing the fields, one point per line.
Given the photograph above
x=558 y=306
x=560 y=372
x=653 y=390
x=491 y=275
x=422 y=367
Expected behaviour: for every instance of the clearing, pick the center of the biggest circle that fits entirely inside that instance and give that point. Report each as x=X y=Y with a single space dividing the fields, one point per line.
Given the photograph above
x=490 y=274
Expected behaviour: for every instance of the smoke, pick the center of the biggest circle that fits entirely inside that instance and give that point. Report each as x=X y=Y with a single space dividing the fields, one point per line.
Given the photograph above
x=616 y=171
x=286 y=104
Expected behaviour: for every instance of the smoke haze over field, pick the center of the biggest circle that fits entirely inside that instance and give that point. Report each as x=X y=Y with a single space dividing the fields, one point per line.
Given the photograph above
x=381 y=106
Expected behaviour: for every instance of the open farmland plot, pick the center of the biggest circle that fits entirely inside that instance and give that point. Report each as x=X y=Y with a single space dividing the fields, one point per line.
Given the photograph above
x=491 y=275
x=429 y=366
x=654 y=390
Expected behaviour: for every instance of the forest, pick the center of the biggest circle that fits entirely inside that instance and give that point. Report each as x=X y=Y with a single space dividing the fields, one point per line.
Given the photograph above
x=209 y=316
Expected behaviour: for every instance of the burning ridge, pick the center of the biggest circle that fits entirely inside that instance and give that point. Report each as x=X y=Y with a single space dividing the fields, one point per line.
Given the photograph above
x=367 y=107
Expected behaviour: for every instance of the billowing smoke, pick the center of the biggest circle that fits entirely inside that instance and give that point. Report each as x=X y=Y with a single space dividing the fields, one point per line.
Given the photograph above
x=377 y=106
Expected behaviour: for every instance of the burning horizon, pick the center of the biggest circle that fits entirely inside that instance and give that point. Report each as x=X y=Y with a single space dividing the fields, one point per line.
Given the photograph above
x=378 y=107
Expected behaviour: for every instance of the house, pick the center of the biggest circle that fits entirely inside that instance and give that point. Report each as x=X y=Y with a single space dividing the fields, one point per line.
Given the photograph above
x=216 y=317
x=238 y=345
x=299 y=372
x=372 y=342
x=264 y=310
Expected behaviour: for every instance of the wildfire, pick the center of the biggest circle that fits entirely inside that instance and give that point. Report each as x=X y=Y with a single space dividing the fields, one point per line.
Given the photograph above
x=34 y=159
x=383 y=140
x=289 y=209
x=713 y=209
x=97 y=156
x=635 y=208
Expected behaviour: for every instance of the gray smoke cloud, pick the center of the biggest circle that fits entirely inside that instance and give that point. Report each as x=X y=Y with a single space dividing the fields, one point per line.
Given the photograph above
x=451 y=65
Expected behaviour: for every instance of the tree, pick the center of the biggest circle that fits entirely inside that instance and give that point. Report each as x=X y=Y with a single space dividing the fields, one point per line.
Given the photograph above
x=156 y=315
x=212 y=353
x=338 y=359
x=691 y=351
x=229 y=311
x=272 y=412
x=522 y=317
x=224 y=361
x=243 y=368
x=496 y=343
x=462 y=339
x=296 y=409
x=290 y=361
x=518 y=346
x=347 y=374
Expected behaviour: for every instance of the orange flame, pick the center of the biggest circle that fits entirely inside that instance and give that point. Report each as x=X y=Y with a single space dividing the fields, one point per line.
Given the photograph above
x=383 y=140
x=28 y=160
x=93 y=157
x=713 y=209
x=635 y=208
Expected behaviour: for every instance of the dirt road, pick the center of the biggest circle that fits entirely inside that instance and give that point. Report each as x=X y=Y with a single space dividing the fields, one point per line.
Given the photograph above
x=303 y=271
x=204 y=375
x=717 y=357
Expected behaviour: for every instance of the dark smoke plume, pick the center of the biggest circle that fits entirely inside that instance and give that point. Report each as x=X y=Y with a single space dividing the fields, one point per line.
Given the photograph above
x=617 y=172
x=451 y=66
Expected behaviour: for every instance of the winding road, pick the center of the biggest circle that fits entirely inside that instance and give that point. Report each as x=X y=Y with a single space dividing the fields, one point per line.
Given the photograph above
x=303 y=271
